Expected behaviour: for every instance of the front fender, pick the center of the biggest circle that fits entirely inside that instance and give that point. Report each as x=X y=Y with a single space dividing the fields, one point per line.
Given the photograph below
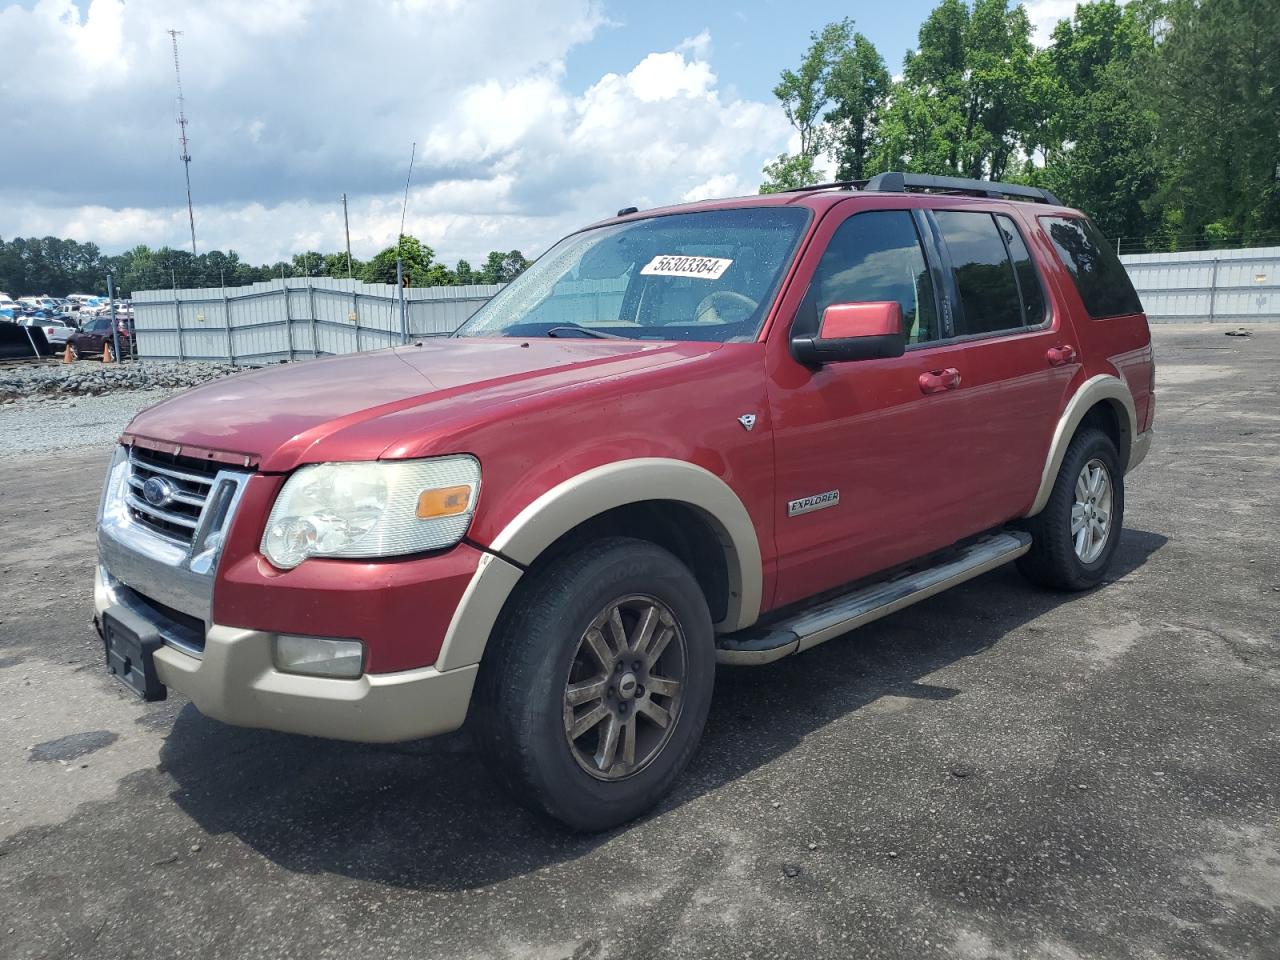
x=589 y=494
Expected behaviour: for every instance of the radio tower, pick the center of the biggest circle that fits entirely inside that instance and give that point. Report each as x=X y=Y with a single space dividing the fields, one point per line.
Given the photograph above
x=185 y=156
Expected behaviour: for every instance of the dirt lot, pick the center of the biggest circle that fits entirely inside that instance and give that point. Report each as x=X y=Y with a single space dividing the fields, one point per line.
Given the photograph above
x=997 y=772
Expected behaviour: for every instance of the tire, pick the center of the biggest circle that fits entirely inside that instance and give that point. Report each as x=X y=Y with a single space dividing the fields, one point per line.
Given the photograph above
x=1055 y=559
x=75 y=353
x=521 y=714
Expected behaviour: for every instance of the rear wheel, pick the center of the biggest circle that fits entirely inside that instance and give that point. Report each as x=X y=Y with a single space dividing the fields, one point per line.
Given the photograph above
x=75 y=351
x=596 y=684
x=1075 y=536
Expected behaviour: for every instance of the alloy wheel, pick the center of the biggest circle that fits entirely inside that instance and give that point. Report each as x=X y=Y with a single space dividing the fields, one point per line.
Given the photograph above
x=624 y=692
x=1091 y=511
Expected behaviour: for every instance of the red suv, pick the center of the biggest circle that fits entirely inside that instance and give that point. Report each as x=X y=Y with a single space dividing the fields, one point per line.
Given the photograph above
x=712 y=432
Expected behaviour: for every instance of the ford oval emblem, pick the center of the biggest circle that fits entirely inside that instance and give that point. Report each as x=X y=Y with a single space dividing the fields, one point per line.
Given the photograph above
x=158 y=491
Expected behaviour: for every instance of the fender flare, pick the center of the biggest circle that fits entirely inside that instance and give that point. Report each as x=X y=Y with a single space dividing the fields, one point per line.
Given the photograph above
x=586 y=495
x=1102 y=388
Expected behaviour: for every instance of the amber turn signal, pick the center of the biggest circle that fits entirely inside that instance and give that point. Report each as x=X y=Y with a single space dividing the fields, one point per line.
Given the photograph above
x=445 y=502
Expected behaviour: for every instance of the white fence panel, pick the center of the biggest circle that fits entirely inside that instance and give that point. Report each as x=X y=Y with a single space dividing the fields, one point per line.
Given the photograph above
x=1230 y=286
x=312 y=316
x=293 y=318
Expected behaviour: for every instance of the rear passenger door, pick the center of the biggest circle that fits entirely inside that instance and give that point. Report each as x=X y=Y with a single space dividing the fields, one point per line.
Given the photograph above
x=1020 y=360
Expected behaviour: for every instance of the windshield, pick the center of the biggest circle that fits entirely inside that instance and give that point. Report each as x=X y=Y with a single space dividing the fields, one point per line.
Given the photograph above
x=706 y=276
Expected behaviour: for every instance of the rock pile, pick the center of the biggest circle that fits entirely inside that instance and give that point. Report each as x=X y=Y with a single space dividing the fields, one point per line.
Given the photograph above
x=89 y=378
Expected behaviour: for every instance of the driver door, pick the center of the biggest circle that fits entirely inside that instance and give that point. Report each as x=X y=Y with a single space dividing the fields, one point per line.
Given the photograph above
x=871 y=455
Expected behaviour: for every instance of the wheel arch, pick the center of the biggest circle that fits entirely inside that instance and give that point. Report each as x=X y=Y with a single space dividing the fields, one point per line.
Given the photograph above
x=1103 y=400
x=653 y=498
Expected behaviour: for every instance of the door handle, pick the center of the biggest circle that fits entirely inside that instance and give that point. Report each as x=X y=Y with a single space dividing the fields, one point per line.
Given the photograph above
x=1062 y=354
x=936 y=381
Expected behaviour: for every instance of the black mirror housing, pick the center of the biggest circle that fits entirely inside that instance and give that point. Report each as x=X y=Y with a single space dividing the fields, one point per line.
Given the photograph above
x=815 y=351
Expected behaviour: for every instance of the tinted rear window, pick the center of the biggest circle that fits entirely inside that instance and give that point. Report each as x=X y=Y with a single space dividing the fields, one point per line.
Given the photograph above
x=1099 y=276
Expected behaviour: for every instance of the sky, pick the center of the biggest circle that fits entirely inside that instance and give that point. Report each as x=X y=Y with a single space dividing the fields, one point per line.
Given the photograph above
x=530 y=119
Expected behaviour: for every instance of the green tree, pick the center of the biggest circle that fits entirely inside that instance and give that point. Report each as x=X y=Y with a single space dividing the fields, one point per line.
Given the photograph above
x=858 y=87
x=308 y=264
x=833 y=101
x=416 y=255
x=966 y=103
x=789 y=172
x=502 y=267
x=335 y=265
x=1214 y=87
x=1097 y=130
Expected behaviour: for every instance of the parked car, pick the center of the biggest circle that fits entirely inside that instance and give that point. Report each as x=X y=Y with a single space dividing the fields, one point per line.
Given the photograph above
x=56 y=331
x=47 y=304
x=728 y=430
x=94 y=334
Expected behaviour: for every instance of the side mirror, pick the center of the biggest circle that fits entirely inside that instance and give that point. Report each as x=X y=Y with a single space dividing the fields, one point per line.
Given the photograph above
x=854 y=331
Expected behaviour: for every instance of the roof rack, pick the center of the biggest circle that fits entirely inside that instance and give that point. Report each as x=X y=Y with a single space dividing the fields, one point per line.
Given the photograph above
x=833 y=185
x=903 y=182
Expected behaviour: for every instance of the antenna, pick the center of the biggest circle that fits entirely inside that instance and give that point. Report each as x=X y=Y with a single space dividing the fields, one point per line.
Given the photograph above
x=413 y=150
x=185 y=156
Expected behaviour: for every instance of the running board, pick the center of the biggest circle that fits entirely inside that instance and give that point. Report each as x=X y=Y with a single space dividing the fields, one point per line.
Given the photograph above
x=830 y=618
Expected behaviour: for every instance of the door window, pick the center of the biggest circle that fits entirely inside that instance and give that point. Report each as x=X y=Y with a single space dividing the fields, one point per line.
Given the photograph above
x=1024 y=268
x=984 y=274
x=876 y=256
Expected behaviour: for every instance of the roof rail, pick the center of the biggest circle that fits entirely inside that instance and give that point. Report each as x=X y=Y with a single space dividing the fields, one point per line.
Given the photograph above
x=833 y=185
x=902 y=182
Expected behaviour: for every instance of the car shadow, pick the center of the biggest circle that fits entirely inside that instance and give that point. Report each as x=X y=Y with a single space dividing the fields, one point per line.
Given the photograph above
x=425 y=815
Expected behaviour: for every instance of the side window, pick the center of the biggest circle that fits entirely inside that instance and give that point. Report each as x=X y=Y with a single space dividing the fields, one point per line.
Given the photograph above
x=1024 y=269
x=1098 y=273
x=877 y=256
x=988 y=289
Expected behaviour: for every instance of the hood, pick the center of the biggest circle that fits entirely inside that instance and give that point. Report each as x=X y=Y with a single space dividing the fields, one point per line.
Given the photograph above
x=275 y=415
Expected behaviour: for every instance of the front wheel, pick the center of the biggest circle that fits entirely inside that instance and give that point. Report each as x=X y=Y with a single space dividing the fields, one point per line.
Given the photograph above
x=596 y=685
x=1075 y=536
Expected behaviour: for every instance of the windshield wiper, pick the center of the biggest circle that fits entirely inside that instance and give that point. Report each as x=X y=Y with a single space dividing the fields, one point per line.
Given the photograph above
x=589 y=331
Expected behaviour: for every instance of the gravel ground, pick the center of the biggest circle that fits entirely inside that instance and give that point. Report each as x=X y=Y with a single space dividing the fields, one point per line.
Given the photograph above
x=997 y=773
x=57 y=406
x=46 y=423
x=20 y=381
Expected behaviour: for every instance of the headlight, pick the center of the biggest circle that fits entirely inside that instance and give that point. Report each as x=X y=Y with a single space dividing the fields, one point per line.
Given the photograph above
x=375 y=509
x=111 y=507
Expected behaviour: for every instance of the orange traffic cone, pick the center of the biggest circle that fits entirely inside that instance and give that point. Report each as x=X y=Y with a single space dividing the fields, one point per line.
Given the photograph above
x=106 y=353
x=66 y=354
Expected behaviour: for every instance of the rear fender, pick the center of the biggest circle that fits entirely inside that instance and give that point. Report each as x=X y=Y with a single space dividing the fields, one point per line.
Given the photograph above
x=1103 y=388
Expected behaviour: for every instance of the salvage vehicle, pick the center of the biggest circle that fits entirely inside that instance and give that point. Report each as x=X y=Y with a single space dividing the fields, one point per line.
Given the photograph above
x=95 y=333
x=726 y=431
x=56 y=331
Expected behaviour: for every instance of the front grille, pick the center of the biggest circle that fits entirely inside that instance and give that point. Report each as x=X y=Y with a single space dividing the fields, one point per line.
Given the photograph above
x=189 y=484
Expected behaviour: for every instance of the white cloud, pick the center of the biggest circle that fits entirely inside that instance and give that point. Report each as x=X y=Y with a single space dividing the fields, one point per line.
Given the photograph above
x=292 y=103
x=1044 y=16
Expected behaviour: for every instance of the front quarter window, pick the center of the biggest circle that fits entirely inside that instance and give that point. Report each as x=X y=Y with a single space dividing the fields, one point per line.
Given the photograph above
x=703 y=276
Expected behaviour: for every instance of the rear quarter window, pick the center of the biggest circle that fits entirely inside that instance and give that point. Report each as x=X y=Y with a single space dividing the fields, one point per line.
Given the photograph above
x=1099 y=276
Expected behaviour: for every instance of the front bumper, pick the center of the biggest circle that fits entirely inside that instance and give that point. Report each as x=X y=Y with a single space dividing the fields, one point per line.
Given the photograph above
x=235 y=680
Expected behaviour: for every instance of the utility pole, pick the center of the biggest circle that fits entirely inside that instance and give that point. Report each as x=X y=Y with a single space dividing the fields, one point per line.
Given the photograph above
x=185 y=156
x=115 y=327
x=347 y=225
